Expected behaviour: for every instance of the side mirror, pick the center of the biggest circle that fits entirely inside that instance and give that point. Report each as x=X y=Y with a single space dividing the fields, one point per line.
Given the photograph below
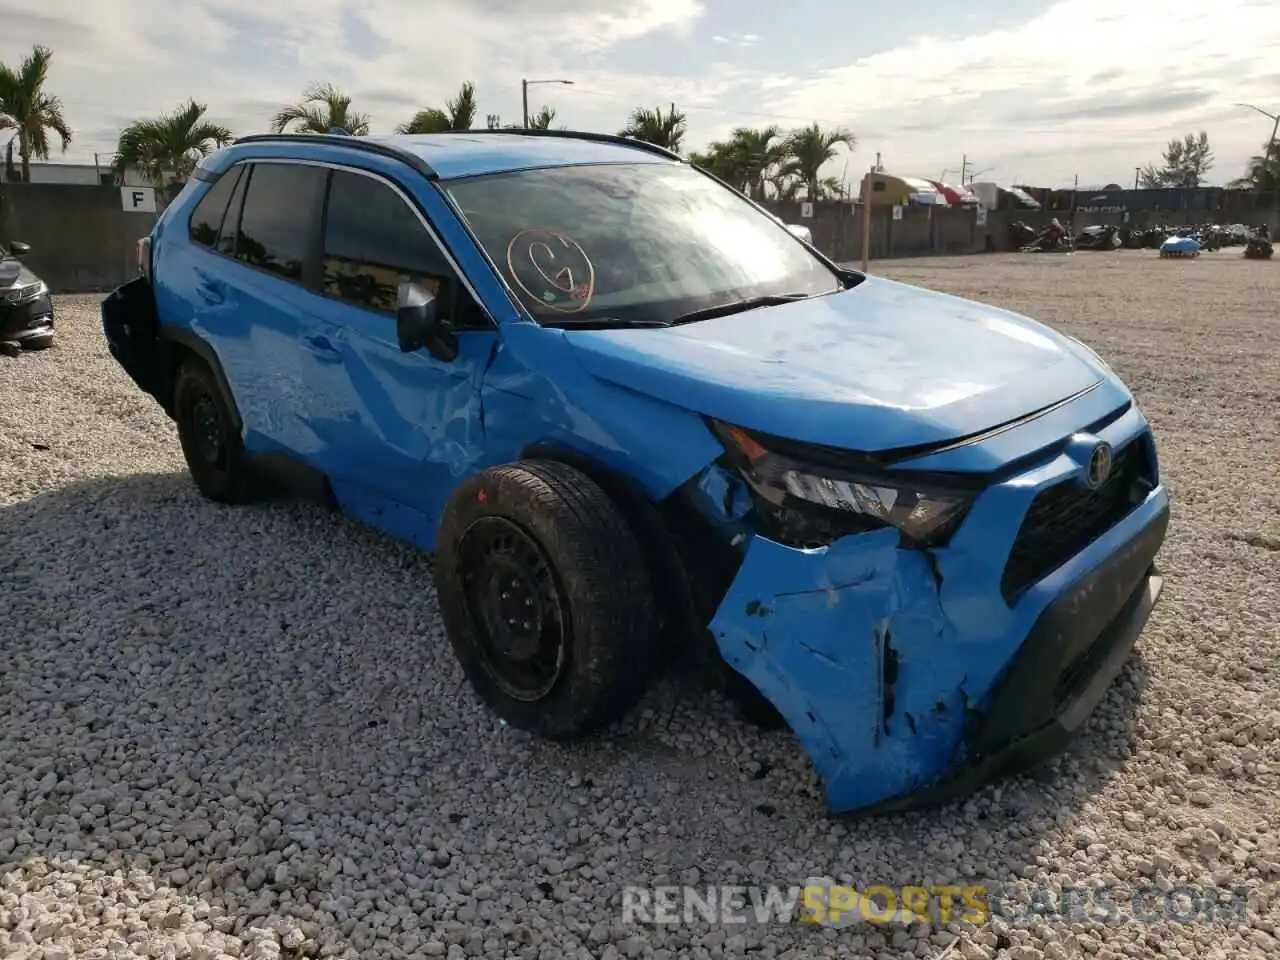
x=419 y=323
x=801 y=231
x=19 y=249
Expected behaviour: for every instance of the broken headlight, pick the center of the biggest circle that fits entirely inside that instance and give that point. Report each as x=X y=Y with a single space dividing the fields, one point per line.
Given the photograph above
x=812 y=504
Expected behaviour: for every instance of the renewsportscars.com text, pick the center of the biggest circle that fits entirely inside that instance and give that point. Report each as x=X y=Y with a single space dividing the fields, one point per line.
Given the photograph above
x=825 y=903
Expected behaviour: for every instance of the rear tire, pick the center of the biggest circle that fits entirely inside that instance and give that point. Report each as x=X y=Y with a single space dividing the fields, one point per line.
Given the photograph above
x=210 y=442
x=546 y=598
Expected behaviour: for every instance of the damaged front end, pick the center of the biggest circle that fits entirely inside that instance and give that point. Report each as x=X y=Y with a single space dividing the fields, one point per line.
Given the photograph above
x=868 y=608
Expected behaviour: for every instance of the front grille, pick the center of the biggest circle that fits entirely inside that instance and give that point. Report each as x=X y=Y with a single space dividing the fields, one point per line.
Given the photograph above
x=1066 y=518
x=16 y=295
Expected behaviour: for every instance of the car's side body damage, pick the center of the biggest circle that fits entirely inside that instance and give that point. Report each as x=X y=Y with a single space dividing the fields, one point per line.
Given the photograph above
x=907 y=668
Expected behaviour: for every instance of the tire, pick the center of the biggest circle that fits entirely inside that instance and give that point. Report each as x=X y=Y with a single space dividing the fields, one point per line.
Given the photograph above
x=565 y=551
x=210 y=442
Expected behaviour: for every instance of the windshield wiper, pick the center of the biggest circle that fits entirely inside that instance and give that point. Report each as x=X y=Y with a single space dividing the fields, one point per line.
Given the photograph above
x=601 y=323
x=739 y=306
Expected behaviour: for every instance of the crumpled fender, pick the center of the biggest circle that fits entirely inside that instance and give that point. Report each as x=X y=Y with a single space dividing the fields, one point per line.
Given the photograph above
x=850 y=643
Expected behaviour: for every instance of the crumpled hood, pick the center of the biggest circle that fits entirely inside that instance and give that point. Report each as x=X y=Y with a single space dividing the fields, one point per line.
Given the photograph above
x=882 y=366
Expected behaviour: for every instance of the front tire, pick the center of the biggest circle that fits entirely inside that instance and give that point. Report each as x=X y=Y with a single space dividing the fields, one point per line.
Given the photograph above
x=210 y=442
x=546 y=598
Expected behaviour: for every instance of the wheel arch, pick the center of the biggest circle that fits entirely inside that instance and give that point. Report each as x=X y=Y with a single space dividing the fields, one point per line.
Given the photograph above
x=179 y=344
x=649 y=524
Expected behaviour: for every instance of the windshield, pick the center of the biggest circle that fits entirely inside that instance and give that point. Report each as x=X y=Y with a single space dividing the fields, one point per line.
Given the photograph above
x=641 y=242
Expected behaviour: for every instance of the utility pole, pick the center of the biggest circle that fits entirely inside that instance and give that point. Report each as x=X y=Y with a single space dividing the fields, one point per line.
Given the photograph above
x=524 y=94
x=1137 y=174
x=867 y=191
x=964 y=167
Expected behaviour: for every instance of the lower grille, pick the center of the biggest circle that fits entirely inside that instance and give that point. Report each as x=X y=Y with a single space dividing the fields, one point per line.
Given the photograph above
x=1066 y=518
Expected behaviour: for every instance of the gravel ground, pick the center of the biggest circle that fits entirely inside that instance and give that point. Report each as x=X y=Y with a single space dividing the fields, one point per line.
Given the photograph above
x=240 y=732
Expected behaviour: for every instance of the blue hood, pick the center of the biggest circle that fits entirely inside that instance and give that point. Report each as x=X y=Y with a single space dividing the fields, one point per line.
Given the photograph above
x=881 y=366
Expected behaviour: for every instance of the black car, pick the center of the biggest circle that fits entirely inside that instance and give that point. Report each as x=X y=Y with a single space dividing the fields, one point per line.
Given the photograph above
x=26 y=311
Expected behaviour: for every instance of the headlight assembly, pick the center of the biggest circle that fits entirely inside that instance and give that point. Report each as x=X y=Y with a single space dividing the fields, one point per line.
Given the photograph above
x=812 y=504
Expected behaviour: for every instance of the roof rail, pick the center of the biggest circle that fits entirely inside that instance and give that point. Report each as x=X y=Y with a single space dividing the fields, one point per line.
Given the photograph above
x=380 y=147
x=578 y=135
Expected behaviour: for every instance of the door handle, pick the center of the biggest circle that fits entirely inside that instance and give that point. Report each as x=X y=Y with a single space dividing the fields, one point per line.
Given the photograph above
x=323 y=348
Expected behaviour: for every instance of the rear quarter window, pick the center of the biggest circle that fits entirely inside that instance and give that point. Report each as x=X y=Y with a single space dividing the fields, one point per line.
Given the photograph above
x=206 y=218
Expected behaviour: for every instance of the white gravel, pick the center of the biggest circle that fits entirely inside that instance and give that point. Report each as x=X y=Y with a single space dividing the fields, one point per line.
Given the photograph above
x=240 y=732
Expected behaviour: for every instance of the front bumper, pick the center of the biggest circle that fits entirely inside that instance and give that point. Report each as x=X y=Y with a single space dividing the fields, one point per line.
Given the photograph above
x=27 y=322
x=1105 y=657
x=908 y=677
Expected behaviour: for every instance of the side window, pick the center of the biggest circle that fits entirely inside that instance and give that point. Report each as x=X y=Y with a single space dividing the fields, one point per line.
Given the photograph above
x=206 y=218
x=231 y=222
x=280 y=206
x=373 y=242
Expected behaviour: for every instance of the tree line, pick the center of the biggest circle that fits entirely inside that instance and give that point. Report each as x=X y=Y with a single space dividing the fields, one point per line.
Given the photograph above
x=760 y=162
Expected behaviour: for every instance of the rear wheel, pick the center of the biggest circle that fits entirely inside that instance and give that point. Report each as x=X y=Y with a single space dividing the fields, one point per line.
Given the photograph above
x=210 y=442
x=547 y=599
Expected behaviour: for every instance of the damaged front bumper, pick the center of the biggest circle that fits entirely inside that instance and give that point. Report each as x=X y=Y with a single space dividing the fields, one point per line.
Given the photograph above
x=907 y=675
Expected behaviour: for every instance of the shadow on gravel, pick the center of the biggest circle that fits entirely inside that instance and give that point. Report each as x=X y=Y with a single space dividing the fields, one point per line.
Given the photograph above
x=259 y=706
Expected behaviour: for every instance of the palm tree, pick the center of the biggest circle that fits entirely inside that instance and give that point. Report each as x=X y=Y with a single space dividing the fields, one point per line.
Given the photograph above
x=543 y=119
x=27 y=109
x=786 y=185
x=168 y=148
x=1262 y=173
x=758 y=152
x=323 y=108
x=458 y=114
x=723 y=160
x=663 y=129
x=810 y=148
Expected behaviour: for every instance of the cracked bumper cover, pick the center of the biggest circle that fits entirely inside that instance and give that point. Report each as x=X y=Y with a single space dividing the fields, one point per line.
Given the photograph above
x=898 y=701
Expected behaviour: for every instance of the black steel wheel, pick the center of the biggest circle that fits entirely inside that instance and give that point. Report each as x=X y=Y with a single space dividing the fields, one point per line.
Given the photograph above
x=520 y=613
x=210 y=441
x=547 y=598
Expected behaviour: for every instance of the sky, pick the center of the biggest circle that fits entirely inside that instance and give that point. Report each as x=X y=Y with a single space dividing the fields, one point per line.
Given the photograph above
x=1025 y=92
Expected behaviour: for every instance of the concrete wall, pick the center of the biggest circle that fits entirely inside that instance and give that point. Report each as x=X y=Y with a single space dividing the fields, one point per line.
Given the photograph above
x=837 y=227
x=81 y=238
x=932 y=231
x=84 y=241
x=79 y=174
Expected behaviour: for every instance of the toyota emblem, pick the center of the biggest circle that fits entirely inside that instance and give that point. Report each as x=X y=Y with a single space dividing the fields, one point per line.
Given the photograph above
x=1099 y=468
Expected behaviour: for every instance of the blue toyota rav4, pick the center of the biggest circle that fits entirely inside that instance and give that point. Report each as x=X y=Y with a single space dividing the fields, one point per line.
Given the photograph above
x=628 y=410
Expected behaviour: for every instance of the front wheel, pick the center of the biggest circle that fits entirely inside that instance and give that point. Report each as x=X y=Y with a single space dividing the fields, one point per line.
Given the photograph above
x=546 y=597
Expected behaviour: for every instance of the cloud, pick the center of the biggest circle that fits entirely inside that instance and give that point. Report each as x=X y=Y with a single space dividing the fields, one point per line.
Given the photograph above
x=1107 y=83
x=741 y=40
x=1093 y=87
x=114 y=63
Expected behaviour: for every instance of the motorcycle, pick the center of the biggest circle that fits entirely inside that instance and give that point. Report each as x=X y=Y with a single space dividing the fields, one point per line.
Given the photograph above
x=1020 y=234
x=1259 y=246
x=1062 y=244
x=1099 y=238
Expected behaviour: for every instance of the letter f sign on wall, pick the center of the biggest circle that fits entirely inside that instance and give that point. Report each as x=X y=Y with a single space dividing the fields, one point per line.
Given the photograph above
x=138 y=199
